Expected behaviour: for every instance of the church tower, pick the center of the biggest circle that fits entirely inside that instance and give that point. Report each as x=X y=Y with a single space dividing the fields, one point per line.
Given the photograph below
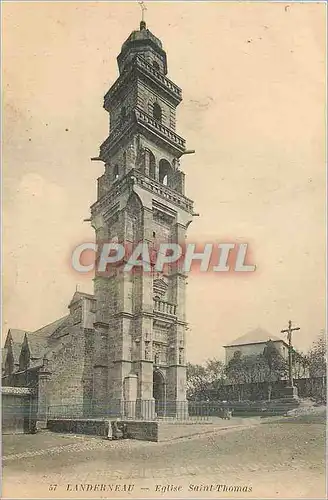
x=139 y=364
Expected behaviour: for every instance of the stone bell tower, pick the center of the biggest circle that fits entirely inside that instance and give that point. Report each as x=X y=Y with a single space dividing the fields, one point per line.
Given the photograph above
x=139 y=350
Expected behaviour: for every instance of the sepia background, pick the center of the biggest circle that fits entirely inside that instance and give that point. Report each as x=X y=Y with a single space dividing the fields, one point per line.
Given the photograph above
x=253 y=81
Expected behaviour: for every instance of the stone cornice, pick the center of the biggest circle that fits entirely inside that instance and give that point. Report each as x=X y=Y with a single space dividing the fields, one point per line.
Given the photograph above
x=134 y=177
x=141 y=67
x=100 y=324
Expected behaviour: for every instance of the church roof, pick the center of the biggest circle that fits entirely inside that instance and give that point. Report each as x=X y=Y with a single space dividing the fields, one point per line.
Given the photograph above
x=257 y=336
x=16 y=349
x=141 y=35
x=16 y=335
x=37 y=345
x=138 y=41
x=38 y=340
x=4 y=355
x=47 y=330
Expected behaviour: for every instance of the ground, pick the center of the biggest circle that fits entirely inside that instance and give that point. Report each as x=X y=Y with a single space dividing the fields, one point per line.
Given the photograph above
x=279 y=458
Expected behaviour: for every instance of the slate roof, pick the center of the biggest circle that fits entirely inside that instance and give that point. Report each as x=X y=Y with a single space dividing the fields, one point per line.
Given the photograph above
x=257 y=336
x=16 y=335
x=4 y=355
x=37 y=345
x=48 y=330
x=38 y=340
x=16 y=350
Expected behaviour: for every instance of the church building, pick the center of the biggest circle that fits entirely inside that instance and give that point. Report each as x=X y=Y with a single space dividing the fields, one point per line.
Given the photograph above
x=123 y=349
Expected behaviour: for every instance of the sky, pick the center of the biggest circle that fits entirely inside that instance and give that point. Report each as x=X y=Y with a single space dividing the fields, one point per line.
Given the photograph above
x=253 y=81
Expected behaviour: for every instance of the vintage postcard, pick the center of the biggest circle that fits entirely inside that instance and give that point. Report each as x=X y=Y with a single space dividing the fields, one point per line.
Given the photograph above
x=164 y=251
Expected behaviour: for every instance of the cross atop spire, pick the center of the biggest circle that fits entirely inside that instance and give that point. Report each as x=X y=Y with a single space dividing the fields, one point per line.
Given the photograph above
x=143 y=9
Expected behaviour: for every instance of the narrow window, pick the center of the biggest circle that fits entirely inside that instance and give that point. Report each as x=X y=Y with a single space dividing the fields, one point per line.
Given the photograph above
x=123 y=114
x=157 y=112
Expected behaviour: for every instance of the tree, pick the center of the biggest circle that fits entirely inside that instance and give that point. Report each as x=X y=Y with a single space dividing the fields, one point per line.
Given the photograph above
x=318 y=366
x=215 y=372
x=276 y=365
x=203 y=380
x=300 y=364
x=236 y=373
x=197 y=382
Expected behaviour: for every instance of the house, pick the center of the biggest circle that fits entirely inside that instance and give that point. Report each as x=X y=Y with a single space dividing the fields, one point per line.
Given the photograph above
x=253 y=343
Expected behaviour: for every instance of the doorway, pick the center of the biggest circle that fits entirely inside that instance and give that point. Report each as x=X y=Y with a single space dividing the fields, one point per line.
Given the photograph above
x=159 y=393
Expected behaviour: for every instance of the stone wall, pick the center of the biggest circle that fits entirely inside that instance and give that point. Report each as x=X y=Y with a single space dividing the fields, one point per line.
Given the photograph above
x=66 y=386
x=143 y=431
x=80 y=426
x=140 y=430
x=18 y=410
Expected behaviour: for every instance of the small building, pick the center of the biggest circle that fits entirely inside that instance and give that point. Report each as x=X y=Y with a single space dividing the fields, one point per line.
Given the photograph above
x=253 y=343
x=56 y=360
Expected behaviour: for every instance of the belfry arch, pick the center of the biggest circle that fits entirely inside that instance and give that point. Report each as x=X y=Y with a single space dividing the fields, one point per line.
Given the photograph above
x=165 y=173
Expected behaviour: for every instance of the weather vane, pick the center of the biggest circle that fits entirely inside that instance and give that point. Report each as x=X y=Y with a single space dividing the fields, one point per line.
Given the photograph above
x=143 y=8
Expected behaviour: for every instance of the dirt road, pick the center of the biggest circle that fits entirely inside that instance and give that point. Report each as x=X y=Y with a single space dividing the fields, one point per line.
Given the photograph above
x=284 y=459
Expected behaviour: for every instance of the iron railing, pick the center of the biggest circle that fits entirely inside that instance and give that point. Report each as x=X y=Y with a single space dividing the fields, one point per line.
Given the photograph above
x=133 y=410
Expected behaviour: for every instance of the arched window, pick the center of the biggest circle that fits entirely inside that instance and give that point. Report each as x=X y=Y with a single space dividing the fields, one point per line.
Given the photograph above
x=115 y=172
x=165 y=173
x=156 y=65
x=157 y=112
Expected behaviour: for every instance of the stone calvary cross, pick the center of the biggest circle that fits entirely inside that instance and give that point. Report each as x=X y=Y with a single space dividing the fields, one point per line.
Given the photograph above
x=289 y=332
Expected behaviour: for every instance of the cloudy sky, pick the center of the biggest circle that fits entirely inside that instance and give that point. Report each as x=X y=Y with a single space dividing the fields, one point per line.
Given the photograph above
x=253 y=80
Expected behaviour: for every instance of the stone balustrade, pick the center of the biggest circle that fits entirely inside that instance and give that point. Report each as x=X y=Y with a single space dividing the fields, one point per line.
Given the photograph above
x=142 y=63
x=165 y=307
x=167 y=133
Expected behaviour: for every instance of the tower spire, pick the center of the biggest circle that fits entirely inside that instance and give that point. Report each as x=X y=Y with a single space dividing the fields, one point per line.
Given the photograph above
x=143 y=9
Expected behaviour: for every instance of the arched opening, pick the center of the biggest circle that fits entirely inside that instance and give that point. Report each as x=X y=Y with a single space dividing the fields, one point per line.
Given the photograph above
x=157 y=112
x=165 y=173
x=156 y=65
x=159 y=393
x=152 y=165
